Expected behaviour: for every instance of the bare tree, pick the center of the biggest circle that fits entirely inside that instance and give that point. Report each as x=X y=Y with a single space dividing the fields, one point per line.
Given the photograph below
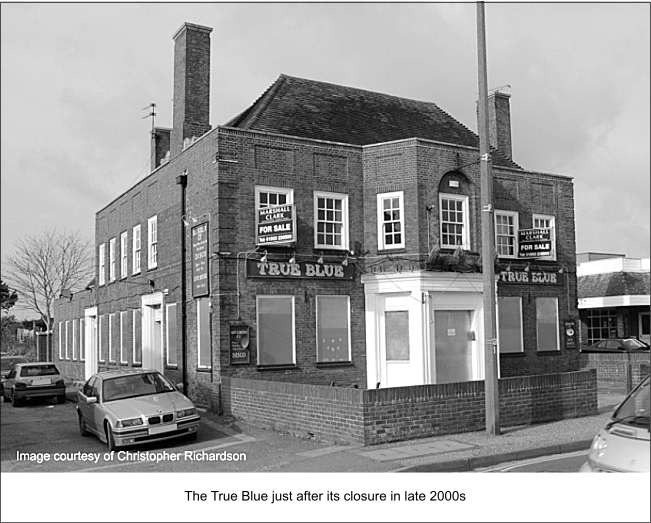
x=44 y=266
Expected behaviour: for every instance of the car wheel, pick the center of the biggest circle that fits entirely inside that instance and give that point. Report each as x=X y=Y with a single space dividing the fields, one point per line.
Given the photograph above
x=5 y=398
x=82 y=426
x=61 y=399
x=110 y=439
x=14 y=400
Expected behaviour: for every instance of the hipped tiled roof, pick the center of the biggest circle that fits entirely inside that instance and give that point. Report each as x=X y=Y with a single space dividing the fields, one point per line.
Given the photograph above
x=613 y=284
x=323 y=111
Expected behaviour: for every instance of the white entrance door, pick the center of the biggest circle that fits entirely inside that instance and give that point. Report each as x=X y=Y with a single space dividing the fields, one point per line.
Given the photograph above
x=453 y=345
x=90 y=342
x=401 y=349
x=152 y=332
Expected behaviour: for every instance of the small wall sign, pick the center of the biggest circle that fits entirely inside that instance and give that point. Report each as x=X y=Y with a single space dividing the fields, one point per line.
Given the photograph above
x=570 y=334
x=240 y=341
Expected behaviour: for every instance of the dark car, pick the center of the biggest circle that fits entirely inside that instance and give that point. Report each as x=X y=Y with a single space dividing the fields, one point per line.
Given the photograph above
x=615 y=345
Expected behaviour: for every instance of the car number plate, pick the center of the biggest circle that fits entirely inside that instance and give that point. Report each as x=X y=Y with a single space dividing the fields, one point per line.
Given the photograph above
x=41 y=381
x=162 y=429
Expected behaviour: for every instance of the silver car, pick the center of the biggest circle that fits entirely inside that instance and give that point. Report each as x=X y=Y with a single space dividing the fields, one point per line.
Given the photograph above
x=623 y=444
x=27 y=381
x=133 y=407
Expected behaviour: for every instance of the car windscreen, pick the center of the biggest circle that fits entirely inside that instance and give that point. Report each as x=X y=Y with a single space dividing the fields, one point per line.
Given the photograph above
x=39 y=370
x=635 y=408
x=634 y=344
x=123 y=387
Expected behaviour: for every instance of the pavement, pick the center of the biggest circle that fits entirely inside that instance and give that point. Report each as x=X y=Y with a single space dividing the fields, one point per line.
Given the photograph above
x=280 y=452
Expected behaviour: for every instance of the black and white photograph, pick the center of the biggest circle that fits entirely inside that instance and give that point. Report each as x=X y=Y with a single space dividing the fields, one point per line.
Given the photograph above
x=317 y=261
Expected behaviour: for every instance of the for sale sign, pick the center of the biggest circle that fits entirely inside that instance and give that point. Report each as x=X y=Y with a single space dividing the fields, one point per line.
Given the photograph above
x=534 y=243
x=275 y=224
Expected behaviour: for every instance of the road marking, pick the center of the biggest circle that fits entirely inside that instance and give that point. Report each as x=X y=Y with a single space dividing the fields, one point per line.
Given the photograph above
x=523 y=463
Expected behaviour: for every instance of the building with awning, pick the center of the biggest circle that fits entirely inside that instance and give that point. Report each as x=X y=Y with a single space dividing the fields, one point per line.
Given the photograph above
x=613 y=297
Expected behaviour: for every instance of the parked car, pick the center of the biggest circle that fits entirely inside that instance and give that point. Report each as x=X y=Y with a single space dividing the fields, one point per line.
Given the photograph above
x=617 y=345
x=623 y=444
x=26 y=381
x=7 y=362
x=133 y=407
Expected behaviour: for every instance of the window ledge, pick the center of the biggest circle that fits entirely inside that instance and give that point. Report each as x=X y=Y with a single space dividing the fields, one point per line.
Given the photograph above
x=264 y=368
x=556 y=352
x=329 y=364
x=512 y=354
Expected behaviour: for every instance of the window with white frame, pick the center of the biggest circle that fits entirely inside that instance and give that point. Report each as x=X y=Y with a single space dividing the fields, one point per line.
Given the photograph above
x=137 y=337
x=152 y=242
x=136 y=248
x=124 y=267
x=112 y=259
x=112 y=333
x=170 y=321
x=541 y=221
x=100 y=337
x=123 y=337
x=547 y=324
x=67 y=336
x=75 y=340
x=454 y=221
x=506 y=234
x=276 y=341
x=203 y=334
x=330 y=220
x=82 y=339
x=332 y=329
x=266 y=196
x=391 y=220
x=102 y=264
x=61 y=327
x=509 y=323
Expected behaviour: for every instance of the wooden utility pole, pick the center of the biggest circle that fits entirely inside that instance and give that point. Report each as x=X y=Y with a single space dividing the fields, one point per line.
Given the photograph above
x=487 y=237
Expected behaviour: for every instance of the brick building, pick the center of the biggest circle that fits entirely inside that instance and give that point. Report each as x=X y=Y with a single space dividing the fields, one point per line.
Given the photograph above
x=325 y=235
x=613 y=297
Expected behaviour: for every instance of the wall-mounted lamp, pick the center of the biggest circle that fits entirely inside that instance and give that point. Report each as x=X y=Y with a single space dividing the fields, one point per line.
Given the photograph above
x=345 y=261
x=151 y=284
x=319 y=260
x=292 y=260
x=66 y=293
x=526 y=269
x=508 y=268
x=264 y=257
x=561 y=270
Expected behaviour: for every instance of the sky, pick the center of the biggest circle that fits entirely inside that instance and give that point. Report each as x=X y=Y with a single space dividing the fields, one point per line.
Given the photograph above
x=77 y=79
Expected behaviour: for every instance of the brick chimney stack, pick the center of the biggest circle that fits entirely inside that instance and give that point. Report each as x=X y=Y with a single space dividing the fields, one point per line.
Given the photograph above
x=499 y=123
x=191 y=112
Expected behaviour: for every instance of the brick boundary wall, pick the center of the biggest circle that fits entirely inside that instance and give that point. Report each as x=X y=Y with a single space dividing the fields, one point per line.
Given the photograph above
x=611 y=369
x=374 y=416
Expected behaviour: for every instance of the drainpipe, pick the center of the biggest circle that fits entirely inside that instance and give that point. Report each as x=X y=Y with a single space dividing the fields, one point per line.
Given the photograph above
x=182 y=180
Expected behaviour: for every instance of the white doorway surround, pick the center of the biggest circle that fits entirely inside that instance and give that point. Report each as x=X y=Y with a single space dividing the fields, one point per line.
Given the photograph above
x=90 y=342
x=423 y=328
x=152 y=331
